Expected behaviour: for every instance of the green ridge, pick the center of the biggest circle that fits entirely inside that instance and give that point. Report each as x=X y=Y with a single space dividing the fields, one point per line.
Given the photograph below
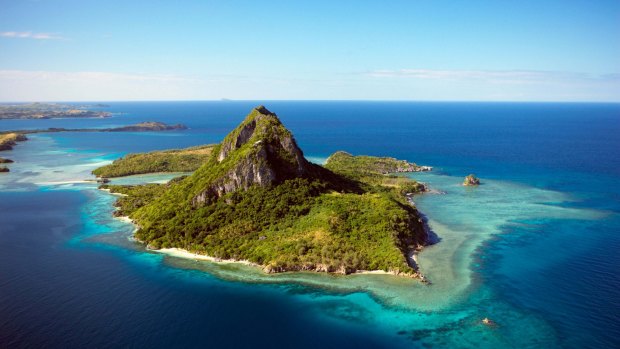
x=181 y=160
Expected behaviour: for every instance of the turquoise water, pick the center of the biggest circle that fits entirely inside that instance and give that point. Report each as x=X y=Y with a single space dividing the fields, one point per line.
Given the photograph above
x=533 y=248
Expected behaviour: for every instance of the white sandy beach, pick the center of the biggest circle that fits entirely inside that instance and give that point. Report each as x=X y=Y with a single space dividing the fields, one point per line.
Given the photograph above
x=181 y=253
x=75 y=181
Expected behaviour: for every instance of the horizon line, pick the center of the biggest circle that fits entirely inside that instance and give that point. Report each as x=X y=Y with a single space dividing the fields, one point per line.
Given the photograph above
x=224 y=100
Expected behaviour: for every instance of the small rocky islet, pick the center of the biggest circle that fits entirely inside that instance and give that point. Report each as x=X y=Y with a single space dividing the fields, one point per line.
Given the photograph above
x=471 y=180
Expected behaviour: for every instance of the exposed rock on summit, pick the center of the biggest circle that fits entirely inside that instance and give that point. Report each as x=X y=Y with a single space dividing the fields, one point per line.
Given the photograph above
x=259 y=151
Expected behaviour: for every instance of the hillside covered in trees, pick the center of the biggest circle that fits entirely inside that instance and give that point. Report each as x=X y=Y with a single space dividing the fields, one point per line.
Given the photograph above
x=256 y=198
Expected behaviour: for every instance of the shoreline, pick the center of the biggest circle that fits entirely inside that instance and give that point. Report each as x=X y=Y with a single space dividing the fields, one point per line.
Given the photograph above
x=77 y=181
x=182 y=253
x=126 y=219
x=116 y=194
x=410 y=257
x=160 y=173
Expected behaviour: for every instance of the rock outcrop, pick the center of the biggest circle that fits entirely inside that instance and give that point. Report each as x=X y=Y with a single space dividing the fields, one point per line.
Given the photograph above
x=8 y=140
x=259 y=151
x=471 y=180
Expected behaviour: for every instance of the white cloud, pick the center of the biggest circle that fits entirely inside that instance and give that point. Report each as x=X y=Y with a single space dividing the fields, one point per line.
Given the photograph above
x=493 y=76
x=30 y=35
x=91 y=76
x=406 y=84
x=18 y=85
x=497 y=85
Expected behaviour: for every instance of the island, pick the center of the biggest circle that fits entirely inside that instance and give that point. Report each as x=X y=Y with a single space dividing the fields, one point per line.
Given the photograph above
x=146 y=126
x=471 y=180
x=9 y=138
x=5 y=161
x=50 y=111
x=257 y=199
x=4 y=169
x=372 y=164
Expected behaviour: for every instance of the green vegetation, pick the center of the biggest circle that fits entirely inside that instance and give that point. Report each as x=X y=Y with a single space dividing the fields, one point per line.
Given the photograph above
x=375 y=171
x=182 y=160
x=134 y=197
x=297 y=225
x=258 y=199
x=369 y=165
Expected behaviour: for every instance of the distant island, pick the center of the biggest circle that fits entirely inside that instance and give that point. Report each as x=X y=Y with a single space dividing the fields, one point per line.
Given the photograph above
x=8 y=139
x=146 y=126
x=139 y=127
x=51 y=111
x=255 y=198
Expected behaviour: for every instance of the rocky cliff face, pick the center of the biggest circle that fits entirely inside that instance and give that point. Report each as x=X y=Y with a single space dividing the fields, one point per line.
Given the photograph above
x=260 y=151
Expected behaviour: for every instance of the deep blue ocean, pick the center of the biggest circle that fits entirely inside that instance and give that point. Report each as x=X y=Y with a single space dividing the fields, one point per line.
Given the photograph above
x=536 y=248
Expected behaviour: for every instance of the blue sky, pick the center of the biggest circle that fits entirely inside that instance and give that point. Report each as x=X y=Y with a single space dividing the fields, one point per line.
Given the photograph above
x=556 y=50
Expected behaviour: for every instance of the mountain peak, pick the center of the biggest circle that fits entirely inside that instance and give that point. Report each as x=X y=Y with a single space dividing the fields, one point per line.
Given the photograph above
x=260 y=113
x=264 y=111
x=259 y=125
x=260 y=151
